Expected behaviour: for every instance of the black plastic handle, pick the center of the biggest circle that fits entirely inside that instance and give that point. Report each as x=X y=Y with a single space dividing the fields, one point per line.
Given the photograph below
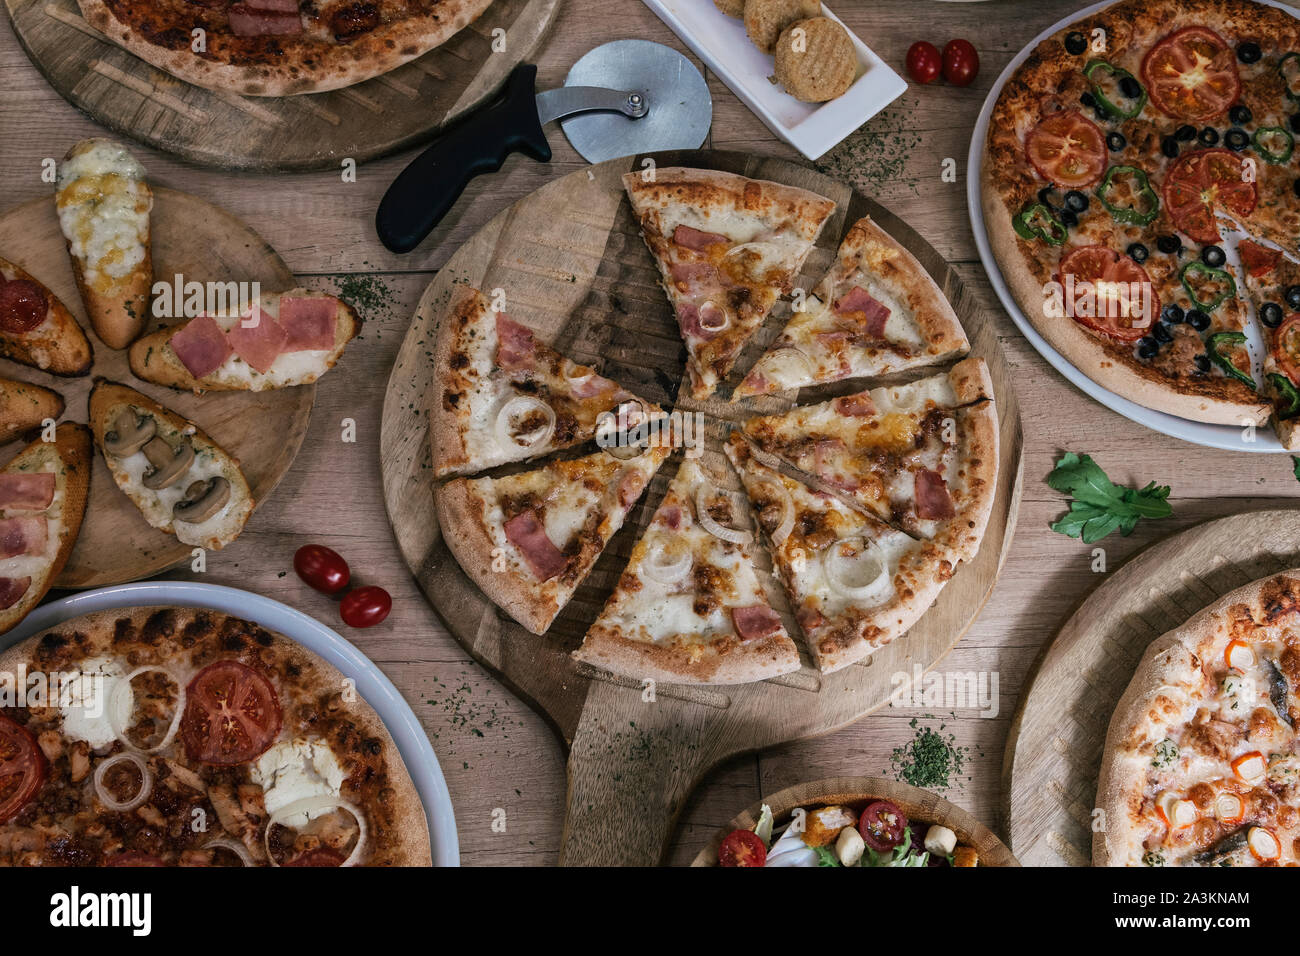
x=424 y=192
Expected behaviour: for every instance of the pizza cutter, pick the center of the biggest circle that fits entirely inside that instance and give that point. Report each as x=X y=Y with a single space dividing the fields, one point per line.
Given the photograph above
x=622 y=98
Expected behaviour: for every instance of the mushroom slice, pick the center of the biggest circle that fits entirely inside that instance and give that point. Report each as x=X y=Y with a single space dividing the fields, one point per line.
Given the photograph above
x=169 y=465
x=131 y=432
x=202 y=500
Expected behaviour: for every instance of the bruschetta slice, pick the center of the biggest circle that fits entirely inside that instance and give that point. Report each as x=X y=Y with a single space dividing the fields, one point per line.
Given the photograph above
x=37 y=329
x=24 y=408
x=42 y=501
x=182 y=481
x=104 y=203
x=287 y=338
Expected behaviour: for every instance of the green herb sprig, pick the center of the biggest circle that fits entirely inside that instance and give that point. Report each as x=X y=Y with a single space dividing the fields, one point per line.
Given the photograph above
x=1100 y=506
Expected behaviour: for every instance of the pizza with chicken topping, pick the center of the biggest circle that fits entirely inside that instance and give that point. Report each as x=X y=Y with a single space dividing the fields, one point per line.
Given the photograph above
x=169 y=736
x=1202 y=761
x=279 y=47
x=1125 y=157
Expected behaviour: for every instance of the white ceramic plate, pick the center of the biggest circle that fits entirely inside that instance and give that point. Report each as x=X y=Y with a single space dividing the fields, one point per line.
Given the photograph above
x=1230 y=437
x=812 y=128
x=374 y=687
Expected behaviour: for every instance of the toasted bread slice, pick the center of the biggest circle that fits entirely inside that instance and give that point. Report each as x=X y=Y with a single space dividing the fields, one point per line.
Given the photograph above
x=37 y=329
x=24 y=408
x=155 y=359
x=104 y=203
x=68 y=457
x=177 y=494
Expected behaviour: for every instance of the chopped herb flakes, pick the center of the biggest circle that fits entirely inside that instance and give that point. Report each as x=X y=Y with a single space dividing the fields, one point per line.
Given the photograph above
x=930 y=761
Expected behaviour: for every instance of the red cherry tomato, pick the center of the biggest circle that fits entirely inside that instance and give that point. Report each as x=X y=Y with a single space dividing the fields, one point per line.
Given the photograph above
x=960 y=63
x=365 y=607
x=882 y=825
x=322 y=568
x=923 y=61
x=742 y=848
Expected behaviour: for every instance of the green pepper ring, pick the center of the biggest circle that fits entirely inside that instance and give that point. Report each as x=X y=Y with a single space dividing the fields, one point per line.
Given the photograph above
x=1029 y=233
x=1128 y=214
x=1200 y=268
x=1288 y=392
x=1212 y=346
x=1268 y=155
x=1102 y=99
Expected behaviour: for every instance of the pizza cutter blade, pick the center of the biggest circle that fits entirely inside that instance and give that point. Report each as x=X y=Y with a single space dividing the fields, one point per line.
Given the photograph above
x=681 y=111
x=623 y=97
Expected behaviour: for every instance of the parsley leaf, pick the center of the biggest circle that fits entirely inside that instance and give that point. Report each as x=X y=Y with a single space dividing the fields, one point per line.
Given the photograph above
x=1100 y=506
x=1295 y=466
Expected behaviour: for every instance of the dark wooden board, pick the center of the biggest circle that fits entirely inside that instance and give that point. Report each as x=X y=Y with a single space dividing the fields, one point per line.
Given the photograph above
x=576 y=270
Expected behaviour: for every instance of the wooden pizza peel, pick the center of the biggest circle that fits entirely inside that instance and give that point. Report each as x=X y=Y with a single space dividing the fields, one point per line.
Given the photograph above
x=577 y=272
x=264 y=430
x=309 y=131
x=1054 y=746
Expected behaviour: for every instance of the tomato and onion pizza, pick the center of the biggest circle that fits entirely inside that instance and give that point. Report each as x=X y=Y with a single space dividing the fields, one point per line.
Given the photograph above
x=688 y=607
x=279 y=47
x=876 y=312
x=727 y=248
x=188 y=737
x=1200 y=766
x=855 y=583
x=504 y=396
x=1109 y=175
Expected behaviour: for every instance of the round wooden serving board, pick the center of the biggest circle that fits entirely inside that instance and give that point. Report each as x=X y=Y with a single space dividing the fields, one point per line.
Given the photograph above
x=856 y=792
x=1054 y=747
x=311 y=131
x=575 y=270
x=262 y=429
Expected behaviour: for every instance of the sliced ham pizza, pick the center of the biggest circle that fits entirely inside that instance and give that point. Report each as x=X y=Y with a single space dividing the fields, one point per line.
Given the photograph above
x=42 y=500
x=854 y=582
x=503 y=396
x=922 y=456
x=877 y=311
x=37 y=329
x=728 y=248
x=529 y=539
x=283 y=339
x=688 y=607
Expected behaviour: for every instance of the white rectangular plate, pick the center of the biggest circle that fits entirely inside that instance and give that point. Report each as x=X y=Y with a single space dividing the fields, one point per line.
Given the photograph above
x=812 y=128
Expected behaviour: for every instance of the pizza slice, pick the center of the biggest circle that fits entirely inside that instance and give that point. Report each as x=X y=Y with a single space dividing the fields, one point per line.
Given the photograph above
x=1273 y=282
x=921 y=456
x=503 y=396
x=688 y=607
x=877 y=311
x=854 y=582
x=529 y=539
x=727 y=249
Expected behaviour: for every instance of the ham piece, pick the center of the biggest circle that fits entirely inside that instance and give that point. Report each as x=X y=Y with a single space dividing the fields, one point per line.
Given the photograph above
x=856 y=406
x=755 y=621
x=308 y=322
x=11 y=589
x=858 y=304
x=258 y=344
x=201 y=346
x=26 y=491
x=22 y=536
x=932 y=498
x=516 y=346
x=696 y=239
x=526 y=532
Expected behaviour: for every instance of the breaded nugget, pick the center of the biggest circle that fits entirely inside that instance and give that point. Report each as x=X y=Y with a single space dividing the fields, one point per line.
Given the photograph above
x=732 y=8
x=815 y=60
x=765 y=19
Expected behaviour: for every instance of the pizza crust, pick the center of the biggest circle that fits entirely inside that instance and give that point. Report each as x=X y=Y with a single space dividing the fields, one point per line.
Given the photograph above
x=330 y=66
x=731 y=663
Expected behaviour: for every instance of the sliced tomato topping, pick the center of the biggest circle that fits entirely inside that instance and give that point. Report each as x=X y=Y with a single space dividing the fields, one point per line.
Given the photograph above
x=133 y=858
x=1067 y=148
x=1258 y=260
x=1192 y=74
x=1286 y=347
x=1206 y=180
x=321 y=856
x=1108 y=292
x=231 y=714
x=22 y=768
x=742 y=848
x=883 y=826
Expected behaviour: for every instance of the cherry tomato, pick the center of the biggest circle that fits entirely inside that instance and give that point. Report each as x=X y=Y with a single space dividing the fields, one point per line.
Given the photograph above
x=882 y=825
x=365 y=607
x=960 y=62
x=923 y=61
x=322 y=568
x=742 y=848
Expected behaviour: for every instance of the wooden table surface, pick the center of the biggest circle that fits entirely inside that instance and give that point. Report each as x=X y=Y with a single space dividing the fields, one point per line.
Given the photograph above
x=495 y=752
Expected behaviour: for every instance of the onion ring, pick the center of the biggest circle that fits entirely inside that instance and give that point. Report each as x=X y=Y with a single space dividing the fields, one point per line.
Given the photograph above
x=517 y=406
x=146 y=782
x=834 y=562
x=308 y=804
x=730 y=535
x=124 y=684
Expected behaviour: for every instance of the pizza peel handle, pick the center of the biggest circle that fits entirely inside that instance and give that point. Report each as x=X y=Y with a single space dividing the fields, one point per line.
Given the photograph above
x=425 y=191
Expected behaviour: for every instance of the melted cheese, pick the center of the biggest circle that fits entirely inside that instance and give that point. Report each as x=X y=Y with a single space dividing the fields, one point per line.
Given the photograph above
x=104 y=204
